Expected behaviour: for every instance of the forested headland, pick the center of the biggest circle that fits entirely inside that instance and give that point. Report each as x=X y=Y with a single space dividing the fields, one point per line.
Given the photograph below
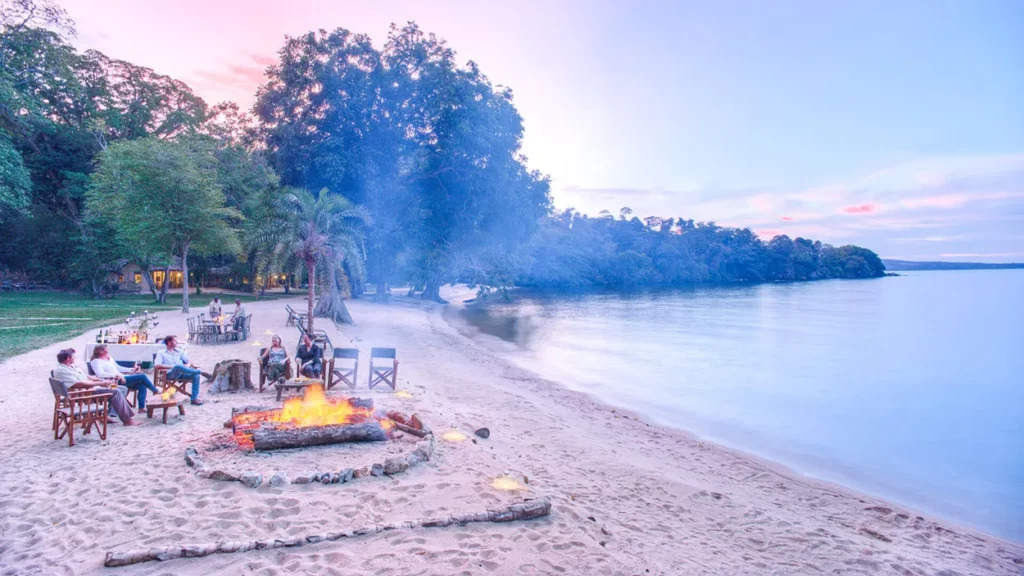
x=358 y=164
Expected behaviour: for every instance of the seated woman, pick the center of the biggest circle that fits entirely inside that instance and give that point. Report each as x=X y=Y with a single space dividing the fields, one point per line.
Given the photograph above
x=103 y=366
x=275 y=359
x=310 y=358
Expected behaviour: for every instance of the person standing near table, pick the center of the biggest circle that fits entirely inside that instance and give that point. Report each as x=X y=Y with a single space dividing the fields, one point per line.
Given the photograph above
x=103 y=366
x=179 y=366
x=215 y=308
x=238 y=318
x=74 y=379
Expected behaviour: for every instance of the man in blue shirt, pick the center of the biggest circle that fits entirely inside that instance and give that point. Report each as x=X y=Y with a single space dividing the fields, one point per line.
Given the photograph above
x=179 y=366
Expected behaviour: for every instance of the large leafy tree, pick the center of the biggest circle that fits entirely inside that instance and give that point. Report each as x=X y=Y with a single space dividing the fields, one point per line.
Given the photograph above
x=164 y=196
x=431 y=149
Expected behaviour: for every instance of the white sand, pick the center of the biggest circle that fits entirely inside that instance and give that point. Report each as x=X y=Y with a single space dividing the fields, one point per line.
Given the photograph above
x=629 y=497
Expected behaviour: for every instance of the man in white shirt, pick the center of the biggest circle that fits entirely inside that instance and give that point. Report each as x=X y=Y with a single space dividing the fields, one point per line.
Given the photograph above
x=215 y=308
x=74 y=379
x=180 y=369
x=103 y=366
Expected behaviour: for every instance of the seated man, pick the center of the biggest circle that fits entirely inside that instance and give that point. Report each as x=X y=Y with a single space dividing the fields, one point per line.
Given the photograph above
x=103 y=366
x=179 y=368
x=74 y=379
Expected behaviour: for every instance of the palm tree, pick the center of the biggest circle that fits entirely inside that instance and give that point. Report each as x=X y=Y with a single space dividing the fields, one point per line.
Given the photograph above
x=316 y=233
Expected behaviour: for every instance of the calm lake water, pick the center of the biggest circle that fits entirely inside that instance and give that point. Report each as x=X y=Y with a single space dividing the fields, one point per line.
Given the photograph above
x=911 y=388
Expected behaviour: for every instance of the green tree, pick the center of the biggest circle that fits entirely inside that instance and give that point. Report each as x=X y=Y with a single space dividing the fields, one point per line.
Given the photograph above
x=161 y=194
x=318 y=232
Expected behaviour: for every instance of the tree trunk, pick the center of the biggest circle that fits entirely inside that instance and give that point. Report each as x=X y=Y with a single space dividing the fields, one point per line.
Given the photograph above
x=432 y=292
x=383 y=293
x=311 y=267
x=147 y=271
x=270 y=439
x=184 y=278
x=232 y=376
x=167 y=283
x=330 y=304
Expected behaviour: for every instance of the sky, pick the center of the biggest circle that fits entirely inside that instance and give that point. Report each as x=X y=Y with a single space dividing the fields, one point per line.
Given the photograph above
x=897 y=126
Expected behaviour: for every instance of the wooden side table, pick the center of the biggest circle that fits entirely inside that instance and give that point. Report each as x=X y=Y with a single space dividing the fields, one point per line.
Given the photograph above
x=165 y=405
x=296 y=385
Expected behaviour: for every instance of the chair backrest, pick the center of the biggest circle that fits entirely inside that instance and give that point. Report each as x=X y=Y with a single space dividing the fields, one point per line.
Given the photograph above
x=382 y=353
x=59 y=388
x=88 y=366
x=352 y=353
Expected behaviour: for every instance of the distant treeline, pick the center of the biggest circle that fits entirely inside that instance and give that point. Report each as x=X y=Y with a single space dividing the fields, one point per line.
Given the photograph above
x=907 y=265
x=572 y=249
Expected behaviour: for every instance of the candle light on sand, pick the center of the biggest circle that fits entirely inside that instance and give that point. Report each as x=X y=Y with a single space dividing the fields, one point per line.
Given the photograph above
x=508 y=484
x=453 y=436
x=402 y=394
x=256 y=343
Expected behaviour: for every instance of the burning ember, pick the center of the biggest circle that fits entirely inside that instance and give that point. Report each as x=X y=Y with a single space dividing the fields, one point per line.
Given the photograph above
x=311 y=420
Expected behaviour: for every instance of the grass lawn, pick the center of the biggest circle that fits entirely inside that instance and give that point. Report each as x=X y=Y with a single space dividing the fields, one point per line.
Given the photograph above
x=33 y=319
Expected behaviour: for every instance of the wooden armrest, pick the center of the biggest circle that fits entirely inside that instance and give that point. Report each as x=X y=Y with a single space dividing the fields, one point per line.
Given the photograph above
x=89 y=398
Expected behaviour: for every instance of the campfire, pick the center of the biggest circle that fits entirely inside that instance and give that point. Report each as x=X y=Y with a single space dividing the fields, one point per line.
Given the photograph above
x=315 y=420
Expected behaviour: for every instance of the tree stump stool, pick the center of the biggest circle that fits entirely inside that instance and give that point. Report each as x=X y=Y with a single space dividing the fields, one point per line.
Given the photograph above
x=232 y=376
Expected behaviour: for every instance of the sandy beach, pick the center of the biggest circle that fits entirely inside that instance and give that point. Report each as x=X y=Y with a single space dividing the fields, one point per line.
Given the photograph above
x=628 y=497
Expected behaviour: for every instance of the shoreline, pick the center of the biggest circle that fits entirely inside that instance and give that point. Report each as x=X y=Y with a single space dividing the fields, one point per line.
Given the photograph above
x=498 y=346
x=629 y=497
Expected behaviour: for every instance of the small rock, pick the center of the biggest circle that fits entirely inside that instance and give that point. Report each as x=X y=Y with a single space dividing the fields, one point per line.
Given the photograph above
x=279 y=479
x=422 y=452
x=484 y=433
x=252 y=479
x=325 y=478
x=222 y=475
x=335 y=478
x=361 y=473
x=306 y=479
x=591 y=518
x=190 y=456
x=376 y=470
x=396 y=465
x=347 y=474
x=413 y=459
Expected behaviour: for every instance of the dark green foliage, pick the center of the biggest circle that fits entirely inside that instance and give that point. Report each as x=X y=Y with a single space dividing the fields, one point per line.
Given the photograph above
x=571 y=249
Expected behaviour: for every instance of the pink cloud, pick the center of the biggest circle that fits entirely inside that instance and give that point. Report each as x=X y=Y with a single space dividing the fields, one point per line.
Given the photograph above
x=786 y=218
x=768 y=234
x=263 y=60
x=861 y=209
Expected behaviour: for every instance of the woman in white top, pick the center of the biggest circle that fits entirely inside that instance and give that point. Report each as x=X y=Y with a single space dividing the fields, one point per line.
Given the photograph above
x=104 y=366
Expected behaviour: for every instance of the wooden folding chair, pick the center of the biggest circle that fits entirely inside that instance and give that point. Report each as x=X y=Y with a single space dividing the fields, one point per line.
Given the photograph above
x=132 y=396
x=180 y=385
x=342 y=373
x=383 y=373
x=72 y=408
x=263 y=369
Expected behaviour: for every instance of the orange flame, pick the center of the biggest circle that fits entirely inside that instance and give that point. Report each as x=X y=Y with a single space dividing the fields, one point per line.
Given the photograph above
x=314 y=408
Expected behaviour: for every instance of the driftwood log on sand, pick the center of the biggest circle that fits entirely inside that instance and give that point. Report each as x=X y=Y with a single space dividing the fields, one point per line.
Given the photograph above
x=278 y=439
x=526 y=510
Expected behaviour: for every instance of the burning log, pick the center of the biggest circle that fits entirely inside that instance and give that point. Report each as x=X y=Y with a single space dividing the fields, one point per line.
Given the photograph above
x=521 y=511
x=280 y=438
